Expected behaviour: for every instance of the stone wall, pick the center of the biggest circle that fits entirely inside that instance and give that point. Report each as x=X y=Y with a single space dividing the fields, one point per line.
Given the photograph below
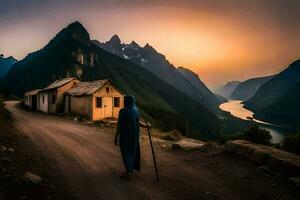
x=277 y=160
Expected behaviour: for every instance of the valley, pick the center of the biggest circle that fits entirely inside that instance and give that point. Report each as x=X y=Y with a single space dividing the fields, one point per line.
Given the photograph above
x=237 y=109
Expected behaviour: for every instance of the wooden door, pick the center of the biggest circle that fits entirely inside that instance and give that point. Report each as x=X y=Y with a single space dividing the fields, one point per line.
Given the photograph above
x=108 y=107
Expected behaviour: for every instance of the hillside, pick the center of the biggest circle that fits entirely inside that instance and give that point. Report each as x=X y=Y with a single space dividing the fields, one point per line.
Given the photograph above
x=194 y=79
x=274 y=89
x=246 y=89
x=285 y=110
x=277 y=100
x=71 y=53
x=148 y=58
x=5 y=64
x=227 y=89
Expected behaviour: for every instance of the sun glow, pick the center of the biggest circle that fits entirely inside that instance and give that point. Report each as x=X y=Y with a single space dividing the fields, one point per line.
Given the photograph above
x=221 y=43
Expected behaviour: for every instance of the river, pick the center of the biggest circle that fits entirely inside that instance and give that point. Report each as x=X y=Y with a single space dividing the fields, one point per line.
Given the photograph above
x=236 y=108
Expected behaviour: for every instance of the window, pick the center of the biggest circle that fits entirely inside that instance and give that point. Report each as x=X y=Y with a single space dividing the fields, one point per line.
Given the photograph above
x=53 y=99
x=98 y=102
x=116 y=101
x=43 y=99
x=107 y=89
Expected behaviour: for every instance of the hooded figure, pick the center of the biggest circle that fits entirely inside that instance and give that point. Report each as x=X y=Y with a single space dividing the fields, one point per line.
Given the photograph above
x=128 y=132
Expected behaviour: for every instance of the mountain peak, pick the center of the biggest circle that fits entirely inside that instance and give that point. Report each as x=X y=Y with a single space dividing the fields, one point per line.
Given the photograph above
x=74 y=31
x=134 y=44
x=295 y=63
x=12 y=59
x=185 y=69
x=115 y=40
x=293 y=68
x=76 y=24
x=149 y=48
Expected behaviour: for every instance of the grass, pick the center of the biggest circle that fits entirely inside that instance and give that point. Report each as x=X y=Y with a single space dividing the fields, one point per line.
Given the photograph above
x=254 y=134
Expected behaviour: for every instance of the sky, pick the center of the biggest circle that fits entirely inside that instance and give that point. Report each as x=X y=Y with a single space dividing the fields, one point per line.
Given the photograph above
x=220 y=40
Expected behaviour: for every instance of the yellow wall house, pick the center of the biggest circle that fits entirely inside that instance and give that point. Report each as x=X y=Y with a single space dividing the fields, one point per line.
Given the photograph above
x=51 y=98
x=96 y=100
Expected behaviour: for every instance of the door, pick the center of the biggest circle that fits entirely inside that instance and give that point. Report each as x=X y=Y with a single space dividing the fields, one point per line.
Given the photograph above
x=34 y=102
x=67 y=103
x=108 y=107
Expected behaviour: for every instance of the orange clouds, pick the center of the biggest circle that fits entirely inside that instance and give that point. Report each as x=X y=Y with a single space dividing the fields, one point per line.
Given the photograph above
x=221 y=41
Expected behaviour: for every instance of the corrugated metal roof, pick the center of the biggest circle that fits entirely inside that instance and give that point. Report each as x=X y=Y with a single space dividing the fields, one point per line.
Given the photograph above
x=58 y=83
x=33 y=92
x=86 y=88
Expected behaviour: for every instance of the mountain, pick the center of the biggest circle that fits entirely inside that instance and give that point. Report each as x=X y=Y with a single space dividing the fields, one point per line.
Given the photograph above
x=194 y=79
x=285 y=110
x=147 y=57
x=279 y=97
x=72 y=53
x=227 y=89
x=5 y=64
x=245 y=90
x=275 y=88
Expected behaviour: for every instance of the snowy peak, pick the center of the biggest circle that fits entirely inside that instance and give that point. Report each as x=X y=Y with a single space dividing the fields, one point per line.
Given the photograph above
x=185 y=80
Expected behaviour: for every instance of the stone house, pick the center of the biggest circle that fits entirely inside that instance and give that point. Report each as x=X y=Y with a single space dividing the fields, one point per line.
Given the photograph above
x=96 y=100
x=51 y=98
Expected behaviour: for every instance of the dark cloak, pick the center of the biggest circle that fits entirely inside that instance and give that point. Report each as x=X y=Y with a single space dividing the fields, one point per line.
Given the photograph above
x=129 y=130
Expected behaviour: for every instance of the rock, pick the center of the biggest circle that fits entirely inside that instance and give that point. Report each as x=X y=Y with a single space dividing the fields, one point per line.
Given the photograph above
x=266 y=175
x=3 y=148
x=32 y=178
x=11 y=149
x=263 y=170
x=259 y=157
x=295 y=181
x=5 y=159
x=278 y=161
x=190 y=145
x=280 y=176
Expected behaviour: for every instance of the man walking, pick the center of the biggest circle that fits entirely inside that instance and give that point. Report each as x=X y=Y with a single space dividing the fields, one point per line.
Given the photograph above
x=127 y=136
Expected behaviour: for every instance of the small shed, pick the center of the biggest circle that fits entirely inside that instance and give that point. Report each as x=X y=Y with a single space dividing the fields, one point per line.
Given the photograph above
x=96 y=100
x=51 y=98
x=31 y=99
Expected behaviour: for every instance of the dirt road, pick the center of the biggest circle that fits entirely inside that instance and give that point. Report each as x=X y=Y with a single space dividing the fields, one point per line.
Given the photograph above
x=90 y=165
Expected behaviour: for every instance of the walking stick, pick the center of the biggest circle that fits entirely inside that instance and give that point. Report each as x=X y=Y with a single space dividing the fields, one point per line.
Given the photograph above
x=153 y=154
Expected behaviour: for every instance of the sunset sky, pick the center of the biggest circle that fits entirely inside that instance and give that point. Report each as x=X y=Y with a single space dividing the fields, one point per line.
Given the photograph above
x=221 y=40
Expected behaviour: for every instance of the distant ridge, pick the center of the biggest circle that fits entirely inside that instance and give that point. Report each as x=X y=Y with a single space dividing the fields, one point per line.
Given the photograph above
x=227 y=89
x=5 y=64
x=246 y=89
x=147 y=57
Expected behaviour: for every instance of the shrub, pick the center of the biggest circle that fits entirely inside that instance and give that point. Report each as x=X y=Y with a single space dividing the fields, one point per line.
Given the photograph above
x=223 y=139
x=292 y=143
x=258 y=135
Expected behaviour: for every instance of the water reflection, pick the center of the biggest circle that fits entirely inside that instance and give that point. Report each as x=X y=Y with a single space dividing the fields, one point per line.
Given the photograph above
x=236 y=108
